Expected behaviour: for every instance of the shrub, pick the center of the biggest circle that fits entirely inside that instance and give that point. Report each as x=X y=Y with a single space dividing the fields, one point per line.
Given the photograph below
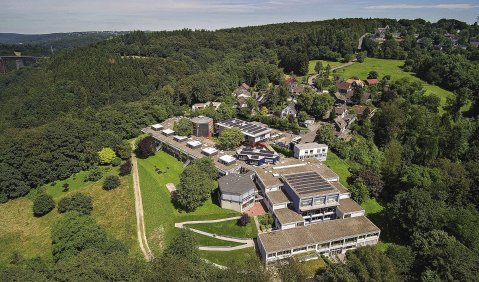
x=111 y=182
x=66 y=187
x=244 y=219
x=106 y=155
x=146 y=147
x=79 y=202
x=116 y=161
x=95 y=174
x=125 y=168
x=3 y=198
x=43 y=204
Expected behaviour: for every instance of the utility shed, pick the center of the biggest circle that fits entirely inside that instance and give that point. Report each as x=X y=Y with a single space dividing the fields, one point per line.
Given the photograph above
x=237 y=191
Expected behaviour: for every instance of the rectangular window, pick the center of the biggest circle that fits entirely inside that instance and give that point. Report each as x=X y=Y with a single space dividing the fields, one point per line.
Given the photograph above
x=307 y=202
x=332 y=198
x=319 y=200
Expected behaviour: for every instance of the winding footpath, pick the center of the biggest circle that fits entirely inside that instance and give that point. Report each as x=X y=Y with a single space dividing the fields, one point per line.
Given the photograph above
x=311 y=78
x=246 y=243
x=140 y=219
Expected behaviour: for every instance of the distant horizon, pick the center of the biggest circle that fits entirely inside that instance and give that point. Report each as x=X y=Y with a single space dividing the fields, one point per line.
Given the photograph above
x=32 y=17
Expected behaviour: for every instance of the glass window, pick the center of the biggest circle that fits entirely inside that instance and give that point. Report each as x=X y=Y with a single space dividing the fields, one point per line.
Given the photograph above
x=319 y=201
x=307 y=202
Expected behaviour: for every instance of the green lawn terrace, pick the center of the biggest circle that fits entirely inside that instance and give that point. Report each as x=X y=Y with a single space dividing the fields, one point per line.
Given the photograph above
x=161 y=214
x=394 y=69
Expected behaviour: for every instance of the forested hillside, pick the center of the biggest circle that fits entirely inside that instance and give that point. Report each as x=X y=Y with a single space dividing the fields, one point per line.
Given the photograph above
x=422 y=166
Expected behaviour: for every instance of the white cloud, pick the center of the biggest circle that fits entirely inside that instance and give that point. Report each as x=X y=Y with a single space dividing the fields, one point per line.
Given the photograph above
x=412 y=6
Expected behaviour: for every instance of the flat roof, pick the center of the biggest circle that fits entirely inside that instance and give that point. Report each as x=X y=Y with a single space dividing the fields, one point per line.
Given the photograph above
x=194 y=143
x=278 y=197
x=348 y=205
x=201 y=119
x=308 y=183
x=237 y=184
x=257 y=153
x=286 y=216
x=180 y=138
x=269 y=173
x=168 y=131
x=228 y=158
x=248 y=128
x=209 y=150
x=157 y=126
x=281 y=240
x=312 y=145
x=340 y=187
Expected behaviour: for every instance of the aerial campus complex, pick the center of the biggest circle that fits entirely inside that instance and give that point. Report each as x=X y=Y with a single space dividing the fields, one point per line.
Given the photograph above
x=313 y=213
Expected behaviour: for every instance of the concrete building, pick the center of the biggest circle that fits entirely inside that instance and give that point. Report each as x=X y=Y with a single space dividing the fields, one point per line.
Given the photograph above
x=202 y=126
x=237 y=191
x=311 y=150
x=313 y=213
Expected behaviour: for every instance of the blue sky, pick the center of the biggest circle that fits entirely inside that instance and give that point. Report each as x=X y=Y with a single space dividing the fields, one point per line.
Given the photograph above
x=46 y=16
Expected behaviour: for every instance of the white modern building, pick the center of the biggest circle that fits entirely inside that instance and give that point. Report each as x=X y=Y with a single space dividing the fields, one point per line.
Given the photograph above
x=311 y=150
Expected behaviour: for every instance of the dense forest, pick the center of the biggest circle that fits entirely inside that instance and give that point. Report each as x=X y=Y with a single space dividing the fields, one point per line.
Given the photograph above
x=422 y=165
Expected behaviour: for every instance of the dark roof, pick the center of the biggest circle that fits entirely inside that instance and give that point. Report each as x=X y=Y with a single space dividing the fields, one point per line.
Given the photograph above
x=236 y=183
x=307 y=183
x=358 y=109
x=340 y=122
x=339 y=110
x=257 y=152
x=343 y=85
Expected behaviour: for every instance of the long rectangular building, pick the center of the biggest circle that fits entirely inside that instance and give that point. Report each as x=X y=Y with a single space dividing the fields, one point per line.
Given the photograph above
x=252 y=131
x=329 y=238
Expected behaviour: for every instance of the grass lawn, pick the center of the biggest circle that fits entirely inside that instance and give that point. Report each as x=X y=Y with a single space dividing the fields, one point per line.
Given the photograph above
x=392 y=68
x=21 y=232
x=209 y=241
x=230 y=258
x=312 y=64
x=160 y=213
x=371 y=206
x=229 y=227
x=339 y=166
x=311 y=267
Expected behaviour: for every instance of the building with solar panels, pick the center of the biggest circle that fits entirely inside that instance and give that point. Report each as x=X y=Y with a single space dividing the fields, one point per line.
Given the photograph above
x=253 y=132
x=313 y=212
x=257 y=156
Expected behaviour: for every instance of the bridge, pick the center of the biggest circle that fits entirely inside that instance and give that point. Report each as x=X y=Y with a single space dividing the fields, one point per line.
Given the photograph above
x=19 y=60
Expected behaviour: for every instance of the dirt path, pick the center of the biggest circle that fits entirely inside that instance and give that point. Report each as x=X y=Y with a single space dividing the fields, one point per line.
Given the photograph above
x=246 y=243
x=140 y=219
x=311 y=78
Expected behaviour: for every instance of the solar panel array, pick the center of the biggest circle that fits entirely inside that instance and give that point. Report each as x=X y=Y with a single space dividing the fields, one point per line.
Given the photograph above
x=307 y=182
x=257 y=153
x=245 y=126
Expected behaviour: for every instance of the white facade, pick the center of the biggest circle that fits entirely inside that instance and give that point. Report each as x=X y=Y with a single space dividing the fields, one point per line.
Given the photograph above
x=311 y=150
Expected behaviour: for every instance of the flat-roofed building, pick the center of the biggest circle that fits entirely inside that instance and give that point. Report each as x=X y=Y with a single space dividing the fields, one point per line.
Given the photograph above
x=227 y=159
x=237 y=191
x=180 y=138
x=157 y=127
x=286 y=219
x=209 y=151
x=194 y=144
x=168 y=132
x=257 y=156
x=253 y=132
x=328 y=238
x=349 y=208
x=202 y=126
x=311 y=150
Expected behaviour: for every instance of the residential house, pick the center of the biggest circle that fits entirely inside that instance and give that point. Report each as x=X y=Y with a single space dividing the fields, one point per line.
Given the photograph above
x=341 y=111
x=371 y=81
x=290 y=110
x=200 y=106
x=340 y=124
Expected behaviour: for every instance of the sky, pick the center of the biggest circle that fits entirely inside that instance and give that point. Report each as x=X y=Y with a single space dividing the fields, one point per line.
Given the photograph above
x=48 y=16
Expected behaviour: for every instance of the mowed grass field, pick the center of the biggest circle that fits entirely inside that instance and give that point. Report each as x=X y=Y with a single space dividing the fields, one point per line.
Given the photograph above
x=392 y=68
x=312 y=64
x=229 y=227
x=30 y=236
x=339 y=166
x=230 y=258
x=160 y=213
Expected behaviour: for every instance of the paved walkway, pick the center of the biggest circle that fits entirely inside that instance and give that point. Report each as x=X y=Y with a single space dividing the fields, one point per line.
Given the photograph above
x=246 y=243
x=140 y=220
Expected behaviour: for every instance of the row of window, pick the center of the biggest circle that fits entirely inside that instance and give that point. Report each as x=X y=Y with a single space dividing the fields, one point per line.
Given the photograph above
x=320 y=200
